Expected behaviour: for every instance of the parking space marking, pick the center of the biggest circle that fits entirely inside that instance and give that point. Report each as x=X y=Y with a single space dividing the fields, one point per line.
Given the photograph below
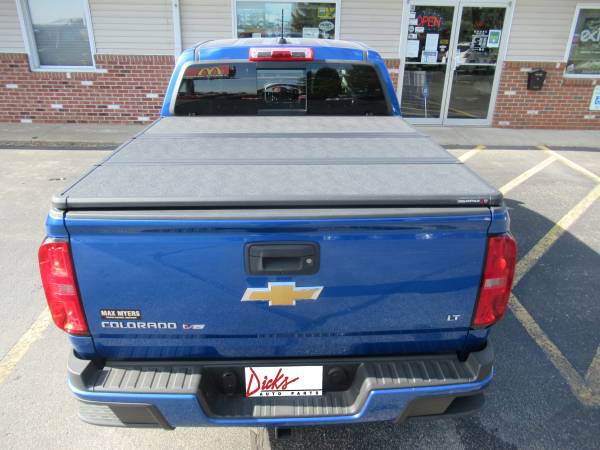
x=571 y=164
x=592 y=377
x=527 y=174
x=586 y=392
x=544 y=244
x=16 y=353
x=586 y=389
x=468 y=155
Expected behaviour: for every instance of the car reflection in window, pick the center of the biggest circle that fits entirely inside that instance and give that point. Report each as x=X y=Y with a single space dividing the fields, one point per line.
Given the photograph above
x=282 y=93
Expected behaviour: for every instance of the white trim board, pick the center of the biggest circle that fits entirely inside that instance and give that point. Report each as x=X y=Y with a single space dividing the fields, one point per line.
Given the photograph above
x=177 y=38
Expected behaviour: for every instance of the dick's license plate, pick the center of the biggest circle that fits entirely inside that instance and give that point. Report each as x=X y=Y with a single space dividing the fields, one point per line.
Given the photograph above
x=283 y=381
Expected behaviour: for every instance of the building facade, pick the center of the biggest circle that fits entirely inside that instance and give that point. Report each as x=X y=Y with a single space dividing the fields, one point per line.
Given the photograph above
x=505 y=63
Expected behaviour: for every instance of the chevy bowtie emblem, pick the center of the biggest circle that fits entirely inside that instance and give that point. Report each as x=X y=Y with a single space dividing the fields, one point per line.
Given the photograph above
x=281 y=294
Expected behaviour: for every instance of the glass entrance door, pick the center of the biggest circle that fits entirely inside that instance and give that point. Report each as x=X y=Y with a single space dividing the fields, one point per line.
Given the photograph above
x=426 y=61
x=475 y=60
x=452 y=53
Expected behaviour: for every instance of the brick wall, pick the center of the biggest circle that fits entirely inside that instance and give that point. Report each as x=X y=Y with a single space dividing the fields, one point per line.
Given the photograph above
x=129 y=89
x=562 y=102
x=393 y=66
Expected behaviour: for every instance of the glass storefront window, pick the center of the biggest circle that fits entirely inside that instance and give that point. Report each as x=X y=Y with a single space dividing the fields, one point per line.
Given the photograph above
x=584 y=51
x=300 y=19
x=60 y=31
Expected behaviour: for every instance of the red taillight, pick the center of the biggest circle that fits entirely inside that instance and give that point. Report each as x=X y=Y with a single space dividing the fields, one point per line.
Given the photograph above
x=60 y=287
x=281 y=54
x=497 y=281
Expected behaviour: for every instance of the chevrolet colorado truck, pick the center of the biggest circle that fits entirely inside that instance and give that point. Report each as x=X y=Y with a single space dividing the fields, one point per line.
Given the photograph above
x=280 y=248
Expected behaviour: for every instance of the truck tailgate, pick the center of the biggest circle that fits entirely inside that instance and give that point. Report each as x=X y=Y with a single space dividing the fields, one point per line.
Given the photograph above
x=394 y=281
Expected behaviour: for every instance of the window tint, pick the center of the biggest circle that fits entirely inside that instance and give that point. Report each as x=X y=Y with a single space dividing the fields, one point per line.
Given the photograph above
x=310 y=88
x=60 y=32
x=345 y=89
x=281 y=90
x=225 y=89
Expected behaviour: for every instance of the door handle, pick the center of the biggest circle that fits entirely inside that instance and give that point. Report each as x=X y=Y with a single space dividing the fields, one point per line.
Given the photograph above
x=282 y=258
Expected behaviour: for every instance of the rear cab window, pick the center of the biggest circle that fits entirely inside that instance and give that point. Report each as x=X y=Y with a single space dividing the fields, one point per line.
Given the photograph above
x=276 y=88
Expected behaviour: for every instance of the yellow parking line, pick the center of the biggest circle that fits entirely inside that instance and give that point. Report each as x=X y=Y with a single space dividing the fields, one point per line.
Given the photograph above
x=584 y=390
x=468 y=155
x=15 y=354
x=578 y=386
x=544 y=244
x=527 y=174
x=592 y=377
x=571 y=164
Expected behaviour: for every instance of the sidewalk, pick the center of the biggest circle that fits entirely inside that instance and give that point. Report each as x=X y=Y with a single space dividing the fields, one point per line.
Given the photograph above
x=502 y=137
x=108 y=136
x=68 y=135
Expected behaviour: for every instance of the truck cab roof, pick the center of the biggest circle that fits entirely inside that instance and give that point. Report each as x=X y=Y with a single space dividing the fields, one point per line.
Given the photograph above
x=238 y=50
x=323 y=48
x=274 y=42
x=252 y=42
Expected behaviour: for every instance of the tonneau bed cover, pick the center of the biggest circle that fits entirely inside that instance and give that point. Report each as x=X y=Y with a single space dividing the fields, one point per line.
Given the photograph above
x=299 y=161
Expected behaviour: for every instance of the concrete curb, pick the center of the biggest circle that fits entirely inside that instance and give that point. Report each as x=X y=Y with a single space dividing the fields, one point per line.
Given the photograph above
x=104 y=146
x=42 y=145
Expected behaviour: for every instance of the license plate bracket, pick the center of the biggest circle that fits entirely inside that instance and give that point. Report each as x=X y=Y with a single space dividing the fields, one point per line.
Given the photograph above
x=283 y=381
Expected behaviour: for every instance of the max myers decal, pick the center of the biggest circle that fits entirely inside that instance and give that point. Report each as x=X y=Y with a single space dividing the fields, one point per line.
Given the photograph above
x=121 y=314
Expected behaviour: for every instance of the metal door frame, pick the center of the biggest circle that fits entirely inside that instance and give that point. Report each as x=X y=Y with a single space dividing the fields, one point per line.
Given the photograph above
x=450 y=64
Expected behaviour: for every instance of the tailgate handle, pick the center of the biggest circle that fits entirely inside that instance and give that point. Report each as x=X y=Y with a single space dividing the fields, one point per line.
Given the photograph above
x=297 y=258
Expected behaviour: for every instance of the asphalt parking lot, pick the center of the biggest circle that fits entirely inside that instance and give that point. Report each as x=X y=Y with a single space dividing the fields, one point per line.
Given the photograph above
x=546 y=393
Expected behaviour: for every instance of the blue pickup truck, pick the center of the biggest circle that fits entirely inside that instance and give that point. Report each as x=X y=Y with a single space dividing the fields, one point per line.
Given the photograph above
x=280 y=248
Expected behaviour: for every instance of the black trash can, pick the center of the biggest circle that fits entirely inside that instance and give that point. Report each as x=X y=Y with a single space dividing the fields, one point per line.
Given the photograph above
x=535 y=79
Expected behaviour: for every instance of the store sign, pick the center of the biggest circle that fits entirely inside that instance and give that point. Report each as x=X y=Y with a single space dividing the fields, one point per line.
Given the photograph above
x=325 y=12
x=494 y=38
x=430 y=21
x=584 y=53
x=310 y=32
x=595 y=103
x=326 y=25
x=208 y=72
x=590 y=36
